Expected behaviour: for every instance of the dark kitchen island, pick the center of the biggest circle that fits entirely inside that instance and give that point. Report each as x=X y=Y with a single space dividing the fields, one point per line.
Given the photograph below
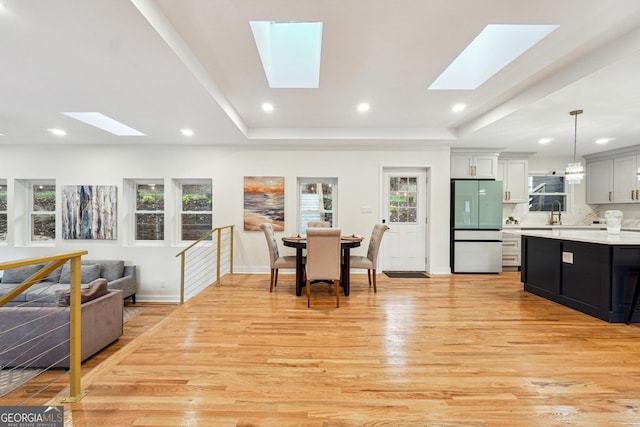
x=588 y=270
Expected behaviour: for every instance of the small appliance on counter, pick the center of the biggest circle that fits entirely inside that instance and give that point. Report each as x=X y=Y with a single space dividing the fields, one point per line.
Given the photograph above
x=476 y=226
x=613 y=219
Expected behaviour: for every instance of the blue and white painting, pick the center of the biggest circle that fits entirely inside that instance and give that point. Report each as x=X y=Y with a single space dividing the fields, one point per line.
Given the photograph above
x=89 y=212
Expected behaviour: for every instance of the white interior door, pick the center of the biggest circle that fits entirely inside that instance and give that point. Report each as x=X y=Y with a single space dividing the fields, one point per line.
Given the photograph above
x=405 y=208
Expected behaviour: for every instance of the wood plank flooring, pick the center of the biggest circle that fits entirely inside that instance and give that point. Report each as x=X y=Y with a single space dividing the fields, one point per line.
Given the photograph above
x=461 y=350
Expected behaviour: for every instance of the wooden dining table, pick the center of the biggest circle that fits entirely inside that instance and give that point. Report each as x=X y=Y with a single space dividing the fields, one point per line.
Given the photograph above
x=300 y=244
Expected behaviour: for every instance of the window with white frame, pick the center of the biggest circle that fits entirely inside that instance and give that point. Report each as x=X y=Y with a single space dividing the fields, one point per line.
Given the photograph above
x=546 y=192
x=43 y=211
x=3 y=210
x=196 y=208
x=316 y=201
x=149 y=210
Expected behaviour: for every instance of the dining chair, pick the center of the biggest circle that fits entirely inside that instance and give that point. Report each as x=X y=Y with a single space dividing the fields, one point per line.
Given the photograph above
x=276 y=261
x=318 y=224
x=370 y=261
x=323 y=259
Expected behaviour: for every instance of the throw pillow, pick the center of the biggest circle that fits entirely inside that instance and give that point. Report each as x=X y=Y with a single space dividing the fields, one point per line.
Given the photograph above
x=96 y=289
x=111 y=270
x=20 y=274
x=54 y=276
x=88 y=273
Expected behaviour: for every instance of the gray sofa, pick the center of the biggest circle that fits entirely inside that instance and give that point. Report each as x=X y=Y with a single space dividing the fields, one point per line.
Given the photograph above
x=38 y=337
x=119 y=276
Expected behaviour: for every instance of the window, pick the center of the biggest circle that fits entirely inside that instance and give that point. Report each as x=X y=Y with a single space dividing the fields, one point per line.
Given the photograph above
x=149 y=223
x=43 y=212
x=196 y=208
x=403 y=196
x=316 y=201
x=3 y=210
x=545 y=191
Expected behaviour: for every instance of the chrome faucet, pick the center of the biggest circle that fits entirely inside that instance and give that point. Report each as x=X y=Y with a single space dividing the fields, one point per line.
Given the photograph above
x=552 y=219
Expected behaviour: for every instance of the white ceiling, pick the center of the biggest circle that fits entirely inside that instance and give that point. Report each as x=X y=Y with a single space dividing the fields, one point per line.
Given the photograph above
x=163 y=65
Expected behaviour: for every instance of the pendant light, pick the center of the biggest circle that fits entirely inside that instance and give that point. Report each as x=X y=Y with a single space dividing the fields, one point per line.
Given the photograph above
x=574 y=172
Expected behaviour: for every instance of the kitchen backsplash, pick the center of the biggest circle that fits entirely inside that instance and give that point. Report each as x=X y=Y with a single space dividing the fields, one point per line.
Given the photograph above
x=585 y=215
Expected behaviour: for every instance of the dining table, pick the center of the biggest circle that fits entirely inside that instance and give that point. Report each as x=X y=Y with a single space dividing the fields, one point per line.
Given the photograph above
x=347 y=242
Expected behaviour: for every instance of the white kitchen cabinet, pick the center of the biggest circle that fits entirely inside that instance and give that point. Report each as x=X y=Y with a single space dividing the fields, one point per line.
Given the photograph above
x=510 y=251
x=513 y=174
x=625 y=179
x=599 y=180
x=479 y=166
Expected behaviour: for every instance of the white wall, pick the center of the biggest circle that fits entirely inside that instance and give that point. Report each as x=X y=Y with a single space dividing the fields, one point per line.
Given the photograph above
x=358 y=172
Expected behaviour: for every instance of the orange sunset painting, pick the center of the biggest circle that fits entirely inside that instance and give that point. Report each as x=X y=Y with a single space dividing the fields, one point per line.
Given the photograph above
x=263 y=202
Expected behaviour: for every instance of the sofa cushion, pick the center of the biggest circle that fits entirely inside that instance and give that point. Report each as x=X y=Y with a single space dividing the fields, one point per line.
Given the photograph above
x=54 y=276
x=20 y=274
x=44 y=294
x=111 y=270
x=88 y=273
x=96 y=289
x=5 y=288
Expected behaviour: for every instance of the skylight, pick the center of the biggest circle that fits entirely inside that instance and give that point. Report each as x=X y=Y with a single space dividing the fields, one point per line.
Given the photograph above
x=290 y=52
x=493 y=49
x=105 y=123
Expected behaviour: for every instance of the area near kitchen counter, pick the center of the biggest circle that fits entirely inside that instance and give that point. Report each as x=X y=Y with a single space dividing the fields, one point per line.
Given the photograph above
x=588 y=270
x=511 y=249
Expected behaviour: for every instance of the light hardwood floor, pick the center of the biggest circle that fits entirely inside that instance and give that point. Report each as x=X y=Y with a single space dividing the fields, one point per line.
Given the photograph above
x=461 y=350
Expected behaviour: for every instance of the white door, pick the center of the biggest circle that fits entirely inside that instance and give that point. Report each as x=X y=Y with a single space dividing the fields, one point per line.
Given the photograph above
x=405 y=207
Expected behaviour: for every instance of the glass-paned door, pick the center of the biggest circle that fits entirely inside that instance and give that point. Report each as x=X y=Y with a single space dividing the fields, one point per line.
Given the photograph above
x=404 y=244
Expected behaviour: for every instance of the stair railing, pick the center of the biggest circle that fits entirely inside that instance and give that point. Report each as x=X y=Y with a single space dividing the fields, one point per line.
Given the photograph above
x=197 y=270
x=51 y=263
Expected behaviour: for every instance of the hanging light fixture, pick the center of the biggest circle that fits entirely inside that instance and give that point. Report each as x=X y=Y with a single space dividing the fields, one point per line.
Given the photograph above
x=574 y=172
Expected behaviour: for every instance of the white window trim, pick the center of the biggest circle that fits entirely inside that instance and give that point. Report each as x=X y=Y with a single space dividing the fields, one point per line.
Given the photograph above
x=568 y=195
x=134 y=195
x=333 y=181
x=178 y=183
x=29 y=238
x=3 y=183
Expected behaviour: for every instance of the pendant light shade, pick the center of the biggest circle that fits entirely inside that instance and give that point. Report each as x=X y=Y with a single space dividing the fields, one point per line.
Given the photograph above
x=574 y=172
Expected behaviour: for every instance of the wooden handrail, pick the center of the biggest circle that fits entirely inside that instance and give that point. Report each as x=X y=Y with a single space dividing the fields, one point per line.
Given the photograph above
x=75 y=320
x=183 y=252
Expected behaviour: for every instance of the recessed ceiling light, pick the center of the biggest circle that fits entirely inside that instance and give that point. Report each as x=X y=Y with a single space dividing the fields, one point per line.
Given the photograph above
x=187 y=132
x=58 y=132
x=267 y=106
x=604 y=140
x=363 y=107
x=458 y=108
x=105 y=123
x=493 y=49
x=545 y=140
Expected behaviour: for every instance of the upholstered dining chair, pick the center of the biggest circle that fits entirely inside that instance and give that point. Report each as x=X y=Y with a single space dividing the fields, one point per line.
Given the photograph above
x=318 y=224
x=370 y=261
x=323 y=258
x=276 y=261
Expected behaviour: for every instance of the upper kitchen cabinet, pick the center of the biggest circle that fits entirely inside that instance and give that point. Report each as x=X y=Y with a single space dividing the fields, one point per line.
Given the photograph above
x=599 y=180
x=474 y=165
x=612 y=176
x=625 y=179
x=513 y=174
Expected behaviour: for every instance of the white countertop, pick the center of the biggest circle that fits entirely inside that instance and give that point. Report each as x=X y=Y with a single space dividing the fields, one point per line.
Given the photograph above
x=550 y=227
x=582 y=235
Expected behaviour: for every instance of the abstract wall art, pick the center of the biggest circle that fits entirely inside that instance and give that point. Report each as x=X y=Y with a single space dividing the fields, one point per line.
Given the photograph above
x=263 y=202
x=89 y=212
